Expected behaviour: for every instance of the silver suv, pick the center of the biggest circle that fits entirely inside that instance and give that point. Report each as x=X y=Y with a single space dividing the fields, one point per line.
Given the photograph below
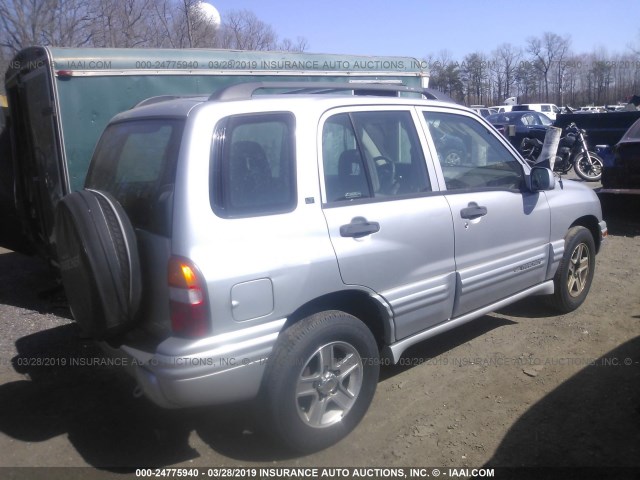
x=282 y=246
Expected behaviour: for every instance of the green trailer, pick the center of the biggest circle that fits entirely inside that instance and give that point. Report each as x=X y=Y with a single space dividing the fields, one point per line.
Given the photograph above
x=60 y=100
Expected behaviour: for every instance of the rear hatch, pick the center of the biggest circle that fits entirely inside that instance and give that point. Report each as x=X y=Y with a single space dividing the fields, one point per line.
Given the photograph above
x=135 y=161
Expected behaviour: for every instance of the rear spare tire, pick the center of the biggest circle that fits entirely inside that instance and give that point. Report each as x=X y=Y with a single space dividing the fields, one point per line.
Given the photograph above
x=99 y=263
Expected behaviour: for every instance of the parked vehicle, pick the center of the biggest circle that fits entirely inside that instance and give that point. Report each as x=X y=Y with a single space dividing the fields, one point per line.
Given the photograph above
x=280 y=247
x=60 y=100
x=519 y=125
x=573 y=152
x=549 y=109
x=449 y=144
x=484 y=111
x=602 y=128
x=502 y=108
x=591 y=109
x=622 y=174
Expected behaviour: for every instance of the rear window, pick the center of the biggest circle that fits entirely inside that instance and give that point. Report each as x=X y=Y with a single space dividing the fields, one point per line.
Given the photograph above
x=135 y=161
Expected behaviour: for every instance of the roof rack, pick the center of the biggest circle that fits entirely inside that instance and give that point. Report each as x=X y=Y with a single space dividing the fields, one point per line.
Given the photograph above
x=245 y=91
x=162 y=98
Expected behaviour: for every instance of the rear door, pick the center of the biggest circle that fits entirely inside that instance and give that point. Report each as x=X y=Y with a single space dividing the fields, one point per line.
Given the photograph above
x=501 y=229
x=390 y=231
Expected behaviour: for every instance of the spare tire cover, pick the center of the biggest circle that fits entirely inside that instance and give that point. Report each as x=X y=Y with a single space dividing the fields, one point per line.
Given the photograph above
x=99 y=262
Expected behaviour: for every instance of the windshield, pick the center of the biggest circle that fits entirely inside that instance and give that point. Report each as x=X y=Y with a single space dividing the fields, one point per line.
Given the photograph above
x=545 y=120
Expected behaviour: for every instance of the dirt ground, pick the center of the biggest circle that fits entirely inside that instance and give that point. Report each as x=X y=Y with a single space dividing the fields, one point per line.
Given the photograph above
x=519 y=387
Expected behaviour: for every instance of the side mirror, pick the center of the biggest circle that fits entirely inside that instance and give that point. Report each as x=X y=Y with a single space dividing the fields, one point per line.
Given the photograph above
x=542 y=179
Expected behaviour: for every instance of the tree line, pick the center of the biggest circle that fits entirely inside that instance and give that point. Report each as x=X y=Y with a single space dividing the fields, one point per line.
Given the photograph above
x=544 y=70
x=131 y=24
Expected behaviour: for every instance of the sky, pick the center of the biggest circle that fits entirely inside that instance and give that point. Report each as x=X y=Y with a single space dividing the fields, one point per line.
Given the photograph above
x=418 y=28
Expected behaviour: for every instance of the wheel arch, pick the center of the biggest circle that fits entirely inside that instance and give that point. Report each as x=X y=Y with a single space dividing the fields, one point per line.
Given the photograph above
x=371 y=311
x=590 y=223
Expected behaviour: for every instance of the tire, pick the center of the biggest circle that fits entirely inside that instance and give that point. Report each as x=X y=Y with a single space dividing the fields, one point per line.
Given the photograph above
x=573 y=279
x=99 y=263
x=528 y=151
x=319 y=382
x=453 y=157
x=588 y=172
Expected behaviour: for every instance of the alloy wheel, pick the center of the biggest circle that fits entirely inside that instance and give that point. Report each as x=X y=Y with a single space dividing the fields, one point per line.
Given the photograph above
x=329 y=384
x=578 y=270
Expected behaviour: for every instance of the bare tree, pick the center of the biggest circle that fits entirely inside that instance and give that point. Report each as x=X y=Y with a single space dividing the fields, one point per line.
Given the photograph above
x=243 y=30
x=635 y=48
x=70 y=25
x=445 y=75
x=162 y=25
x=197 y=29
x=475 y=74
x=547 y=52
x=300 y=45
x=508 y=58
x=24 y=22
x=120 y=23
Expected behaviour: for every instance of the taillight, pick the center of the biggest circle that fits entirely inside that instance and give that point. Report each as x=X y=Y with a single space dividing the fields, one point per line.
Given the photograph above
x=187 y=299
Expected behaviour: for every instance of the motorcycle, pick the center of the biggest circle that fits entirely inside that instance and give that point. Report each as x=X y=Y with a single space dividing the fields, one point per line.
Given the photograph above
x=573 y=152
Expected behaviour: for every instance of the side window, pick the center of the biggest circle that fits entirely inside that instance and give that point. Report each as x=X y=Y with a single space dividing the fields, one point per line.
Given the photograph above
x=480 y=161
x=372 y=155
x=253 y=165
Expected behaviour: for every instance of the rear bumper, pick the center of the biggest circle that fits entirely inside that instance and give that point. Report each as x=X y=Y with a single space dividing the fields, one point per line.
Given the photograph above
x=186 y=373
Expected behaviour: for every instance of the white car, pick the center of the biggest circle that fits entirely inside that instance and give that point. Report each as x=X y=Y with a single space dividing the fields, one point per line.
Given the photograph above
x=549 y=109
x=502 y=108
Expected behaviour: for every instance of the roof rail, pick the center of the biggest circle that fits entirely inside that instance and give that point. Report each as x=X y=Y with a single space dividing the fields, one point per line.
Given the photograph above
x=245 y=91
x=161 y=98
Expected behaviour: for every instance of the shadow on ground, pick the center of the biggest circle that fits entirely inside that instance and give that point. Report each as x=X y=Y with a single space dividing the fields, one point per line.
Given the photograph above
x=622 y=214
x=591 y=421
x=29 y=282
x=72 y=390
x=417 y=354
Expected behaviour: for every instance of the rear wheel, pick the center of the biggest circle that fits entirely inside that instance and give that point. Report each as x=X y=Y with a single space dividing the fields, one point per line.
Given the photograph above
x=575 y=273
x=320 y=380
x=588 y=168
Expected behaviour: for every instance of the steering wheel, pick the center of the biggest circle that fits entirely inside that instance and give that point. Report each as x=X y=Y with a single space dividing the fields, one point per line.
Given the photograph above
x=386 y=174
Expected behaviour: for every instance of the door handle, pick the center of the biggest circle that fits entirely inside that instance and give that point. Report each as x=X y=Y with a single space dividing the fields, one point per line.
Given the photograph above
x=473 y=211
x=359 y=227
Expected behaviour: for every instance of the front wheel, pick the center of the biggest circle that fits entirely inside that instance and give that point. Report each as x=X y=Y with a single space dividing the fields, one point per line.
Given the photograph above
x=588 y=168
x=320 y=380
x=575 y=273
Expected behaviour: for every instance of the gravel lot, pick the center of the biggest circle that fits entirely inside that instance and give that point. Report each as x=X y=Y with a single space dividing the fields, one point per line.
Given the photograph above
x=519 y=387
